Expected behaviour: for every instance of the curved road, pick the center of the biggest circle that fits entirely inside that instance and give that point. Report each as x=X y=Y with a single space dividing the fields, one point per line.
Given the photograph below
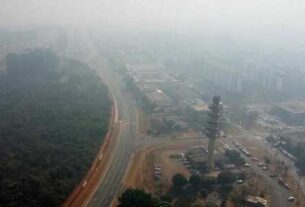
x=111 y=184
x=82 y=46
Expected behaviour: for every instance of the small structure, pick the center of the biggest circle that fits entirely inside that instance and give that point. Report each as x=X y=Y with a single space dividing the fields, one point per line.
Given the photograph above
x=196 y=112
x=253 y=201
x=199 y=159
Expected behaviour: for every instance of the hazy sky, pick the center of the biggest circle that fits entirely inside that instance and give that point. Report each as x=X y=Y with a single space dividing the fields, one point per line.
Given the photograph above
x=223 y=14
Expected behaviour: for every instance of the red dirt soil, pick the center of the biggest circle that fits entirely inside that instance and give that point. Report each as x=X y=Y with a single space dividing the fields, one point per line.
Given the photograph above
x=87 y=187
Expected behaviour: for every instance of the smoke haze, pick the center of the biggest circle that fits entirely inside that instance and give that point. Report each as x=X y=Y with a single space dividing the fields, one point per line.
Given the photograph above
x=234 y=15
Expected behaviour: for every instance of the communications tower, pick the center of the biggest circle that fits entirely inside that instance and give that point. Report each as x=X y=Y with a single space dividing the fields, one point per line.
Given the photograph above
x=214 y=126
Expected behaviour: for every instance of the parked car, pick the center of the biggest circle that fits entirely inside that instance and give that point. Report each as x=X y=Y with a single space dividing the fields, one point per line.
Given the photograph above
x=247 y=165
x=254 y=159
x=264 y=168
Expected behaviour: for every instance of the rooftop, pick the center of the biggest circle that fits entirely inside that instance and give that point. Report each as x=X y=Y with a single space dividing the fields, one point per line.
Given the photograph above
x=200 y=107
x=296 y=107
x=159 y=98
x=256 y=200
x=180 y=91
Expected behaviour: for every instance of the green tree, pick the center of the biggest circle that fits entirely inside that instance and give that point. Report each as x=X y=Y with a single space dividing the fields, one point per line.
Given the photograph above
x=267 y=160
x=210 y=204
x=140 y=198
x=208 y=182
x=53 y=113
x=225 y=177
x=259 y=205
x=195 y=180
x=225 y=190
x=235 y=157
x=136 y=198
x=166 y=198
x=179 y=180
x=204 y=192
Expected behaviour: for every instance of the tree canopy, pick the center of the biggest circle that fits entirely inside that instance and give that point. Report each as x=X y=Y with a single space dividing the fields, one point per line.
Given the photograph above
x=195 y=180
x=235 y=157
x=225 y=177
x=53 y=116
x=179 y=180
x=140 y=198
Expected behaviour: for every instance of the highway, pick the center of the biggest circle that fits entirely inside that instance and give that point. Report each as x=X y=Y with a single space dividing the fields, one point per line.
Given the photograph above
x=279 y=193
x=111 y=185
x=258 y=138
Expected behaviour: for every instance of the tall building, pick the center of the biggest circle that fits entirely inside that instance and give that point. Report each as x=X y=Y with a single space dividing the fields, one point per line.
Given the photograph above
x=213 y=128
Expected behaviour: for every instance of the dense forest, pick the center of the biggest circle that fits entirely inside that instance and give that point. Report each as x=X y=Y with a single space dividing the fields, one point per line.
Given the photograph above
x=54 y=114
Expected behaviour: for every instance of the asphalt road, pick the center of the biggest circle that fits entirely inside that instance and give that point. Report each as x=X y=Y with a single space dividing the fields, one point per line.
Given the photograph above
x=111 y=185
x=279 y=193
x=258 y=138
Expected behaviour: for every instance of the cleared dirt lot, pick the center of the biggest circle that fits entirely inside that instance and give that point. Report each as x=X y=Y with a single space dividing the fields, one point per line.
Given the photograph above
x=141 y=169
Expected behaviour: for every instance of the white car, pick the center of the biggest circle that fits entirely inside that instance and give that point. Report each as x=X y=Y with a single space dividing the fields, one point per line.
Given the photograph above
x=291 y=198
x=260 y=164
x=247 y=165
x=264 y=168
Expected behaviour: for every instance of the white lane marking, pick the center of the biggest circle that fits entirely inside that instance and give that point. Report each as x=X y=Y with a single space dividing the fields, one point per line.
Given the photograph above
x=101 y=156
x=84 y=184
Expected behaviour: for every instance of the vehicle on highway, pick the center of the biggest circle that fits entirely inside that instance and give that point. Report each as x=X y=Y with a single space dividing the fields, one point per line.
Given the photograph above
x=157 y=166
x=261 y=164
x=158 y=173
x=254 y=159
x=282 y=182
x=264 y=168
x=158 y=169
x=195 y=172
x=286 y=186
x=246 y=152
x=272 y=175
x=247 y=165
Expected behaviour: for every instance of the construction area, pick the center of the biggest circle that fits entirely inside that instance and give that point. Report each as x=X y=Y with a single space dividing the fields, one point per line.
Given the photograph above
x=173 y=104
